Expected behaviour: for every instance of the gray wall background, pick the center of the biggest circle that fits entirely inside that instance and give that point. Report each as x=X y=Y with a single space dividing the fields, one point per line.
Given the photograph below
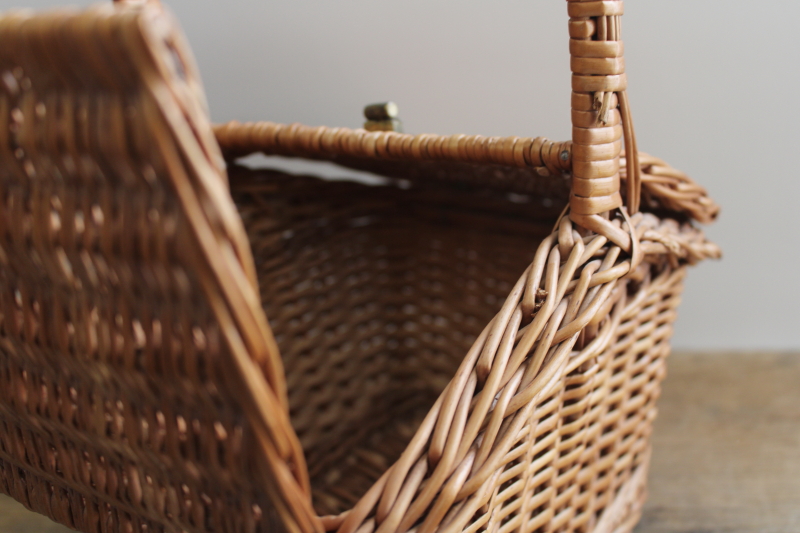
x=713 y=86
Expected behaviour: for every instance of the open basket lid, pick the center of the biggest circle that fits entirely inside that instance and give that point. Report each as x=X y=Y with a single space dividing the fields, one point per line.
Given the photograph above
x=109 y=133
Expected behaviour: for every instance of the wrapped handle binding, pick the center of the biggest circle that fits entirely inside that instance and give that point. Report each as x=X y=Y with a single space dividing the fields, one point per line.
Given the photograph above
x=601 y=119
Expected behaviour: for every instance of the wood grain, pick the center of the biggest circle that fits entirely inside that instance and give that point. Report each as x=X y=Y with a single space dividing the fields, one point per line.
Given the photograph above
x=726 y=450
x=726 y=455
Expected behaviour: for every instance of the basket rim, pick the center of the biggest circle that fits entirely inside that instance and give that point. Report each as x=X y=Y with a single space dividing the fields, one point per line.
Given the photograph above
x=356 y=148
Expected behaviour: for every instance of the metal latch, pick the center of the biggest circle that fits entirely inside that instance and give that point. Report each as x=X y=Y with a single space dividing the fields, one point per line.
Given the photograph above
x=382 y=117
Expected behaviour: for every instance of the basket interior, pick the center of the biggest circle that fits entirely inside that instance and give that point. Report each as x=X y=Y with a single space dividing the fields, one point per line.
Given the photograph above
x=375 y=294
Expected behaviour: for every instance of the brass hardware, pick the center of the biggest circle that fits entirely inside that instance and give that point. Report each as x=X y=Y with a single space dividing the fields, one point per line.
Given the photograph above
x=382 y=117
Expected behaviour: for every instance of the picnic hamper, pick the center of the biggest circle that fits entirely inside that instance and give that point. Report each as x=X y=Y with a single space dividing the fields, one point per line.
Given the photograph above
x=475 y=344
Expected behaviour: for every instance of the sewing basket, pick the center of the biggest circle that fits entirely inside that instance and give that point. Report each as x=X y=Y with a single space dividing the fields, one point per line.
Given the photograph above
x=475 y=343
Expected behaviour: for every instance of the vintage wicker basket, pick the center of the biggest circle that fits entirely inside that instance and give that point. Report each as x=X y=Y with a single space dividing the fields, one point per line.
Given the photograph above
x=454 y=350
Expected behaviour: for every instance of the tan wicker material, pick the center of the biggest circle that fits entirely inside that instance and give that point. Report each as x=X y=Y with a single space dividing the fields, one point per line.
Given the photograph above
x=403 y=155
x=476 y=345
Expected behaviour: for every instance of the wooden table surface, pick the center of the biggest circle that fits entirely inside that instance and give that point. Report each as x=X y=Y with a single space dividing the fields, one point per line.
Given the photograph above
x=726 y=450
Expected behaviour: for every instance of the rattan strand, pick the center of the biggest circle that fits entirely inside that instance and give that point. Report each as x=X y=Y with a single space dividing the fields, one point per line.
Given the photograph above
x=451 y=364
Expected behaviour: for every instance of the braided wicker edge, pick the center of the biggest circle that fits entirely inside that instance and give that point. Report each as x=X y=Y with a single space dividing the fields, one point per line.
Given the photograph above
x=669 y=187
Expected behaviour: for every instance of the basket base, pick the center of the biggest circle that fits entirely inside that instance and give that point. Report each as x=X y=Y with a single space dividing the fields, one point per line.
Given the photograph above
x=626 y=510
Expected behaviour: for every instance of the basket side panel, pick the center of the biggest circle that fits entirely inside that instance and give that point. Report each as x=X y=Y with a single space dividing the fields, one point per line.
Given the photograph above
x=375 y=293
x=546 y=424
x=119 y=400
x=585 y=441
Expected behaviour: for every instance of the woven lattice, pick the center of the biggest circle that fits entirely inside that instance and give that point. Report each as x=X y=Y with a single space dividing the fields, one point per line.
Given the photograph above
x=376 y=293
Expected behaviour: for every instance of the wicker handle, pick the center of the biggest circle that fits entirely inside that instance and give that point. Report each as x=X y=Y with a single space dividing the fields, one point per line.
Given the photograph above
x=601 y=119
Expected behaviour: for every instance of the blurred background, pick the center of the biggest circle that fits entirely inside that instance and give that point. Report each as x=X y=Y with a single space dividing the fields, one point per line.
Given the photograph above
x=713 y=90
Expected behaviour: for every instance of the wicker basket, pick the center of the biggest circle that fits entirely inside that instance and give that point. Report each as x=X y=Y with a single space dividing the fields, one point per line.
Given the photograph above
x=474 y=345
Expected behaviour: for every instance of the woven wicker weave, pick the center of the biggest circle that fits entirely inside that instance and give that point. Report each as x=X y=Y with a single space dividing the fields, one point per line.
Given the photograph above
x=454 y=350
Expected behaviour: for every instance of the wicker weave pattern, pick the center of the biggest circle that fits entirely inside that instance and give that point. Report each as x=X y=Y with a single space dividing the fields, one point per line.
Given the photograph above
x=459 y=356
x=375 y=294
x=591 y=423
x=124 y=404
